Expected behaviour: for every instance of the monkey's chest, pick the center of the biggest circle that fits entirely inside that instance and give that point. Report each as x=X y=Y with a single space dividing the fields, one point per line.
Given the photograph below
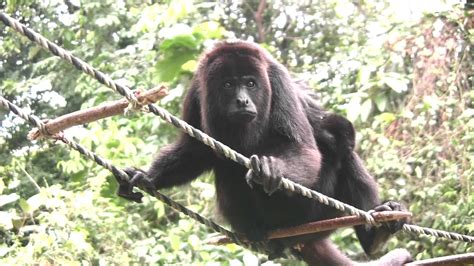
x=240 y=203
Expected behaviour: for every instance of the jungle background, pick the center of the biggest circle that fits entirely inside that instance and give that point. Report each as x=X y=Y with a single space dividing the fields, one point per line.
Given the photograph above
x=400 y=70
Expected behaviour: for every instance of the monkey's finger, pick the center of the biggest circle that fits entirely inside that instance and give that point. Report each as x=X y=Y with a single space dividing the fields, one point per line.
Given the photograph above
x=142 y=181
x=395 y=206
x=137 y=178
x=136 y=197
x=275 y=176
x=249 y=178
x=267 y=175
x=382 y=208
x=130 y=171
x=273 y=185
x=126 y=191
x=266 y=171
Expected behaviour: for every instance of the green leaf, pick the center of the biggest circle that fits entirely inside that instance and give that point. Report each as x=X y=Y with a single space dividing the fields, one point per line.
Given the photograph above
x=176 y=36
x=353 y=109
x=470 y=227
x=364 y=75
x=178 y=9
x=34 y=51
x=381 y=102
x=175 y=242
x=209 y=30
x=387 y=117
x=194 y=241
x=169 y=68
x=35 y=201
x=160 y=209
x=395 y=84
x=365 y=110
x=5 y=199
x=6 y=220
x=180 y=41
x=24 y=206
x=190 y=66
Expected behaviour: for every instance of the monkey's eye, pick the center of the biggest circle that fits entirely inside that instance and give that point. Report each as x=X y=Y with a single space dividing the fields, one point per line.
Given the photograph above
x=250 y=84
x=227 y=85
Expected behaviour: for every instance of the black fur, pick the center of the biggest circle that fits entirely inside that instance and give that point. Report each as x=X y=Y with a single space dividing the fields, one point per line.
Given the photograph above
x=242 y=97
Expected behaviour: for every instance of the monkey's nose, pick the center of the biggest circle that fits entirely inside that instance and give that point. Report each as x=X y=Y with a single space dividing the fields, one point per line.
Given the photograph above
x=242 y=102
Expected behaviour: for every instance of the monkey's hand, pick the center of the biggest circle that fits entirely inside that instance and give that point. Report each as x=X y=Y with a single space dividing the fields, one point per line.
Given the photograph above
x=138 y=178
x=269 y=175
x=380 y=235
x=125 y=189
x=392 y=226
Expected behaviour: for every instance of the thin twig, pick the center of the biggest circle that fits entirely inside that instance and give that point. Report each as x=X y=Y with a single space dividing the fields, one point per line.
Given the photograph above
x=31 y=179
x=259 y=20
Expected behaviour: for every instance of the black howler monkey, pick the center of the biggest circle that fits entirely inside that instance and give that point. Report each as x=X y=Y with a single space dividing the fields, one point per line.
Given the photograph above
x=242 y=97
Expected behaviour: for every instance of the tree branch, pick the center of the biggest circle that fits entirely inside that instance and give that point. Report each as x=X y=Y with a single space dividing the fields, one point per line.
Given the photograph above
x=95 y=113
x=325 y=225
x=259 y=20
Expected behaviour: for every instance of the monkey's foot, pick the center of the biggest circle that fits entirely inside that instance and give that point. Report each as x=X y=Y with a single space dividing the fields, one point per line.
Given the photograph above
x=138 y=178
x=126 y=191
x=393 y=226
x=399 y=256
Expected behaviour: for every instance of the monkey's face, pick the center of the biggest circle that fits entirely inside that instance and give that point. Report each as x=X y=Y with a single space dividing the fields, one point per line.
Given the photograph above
x=239 y=94
x=238 y=89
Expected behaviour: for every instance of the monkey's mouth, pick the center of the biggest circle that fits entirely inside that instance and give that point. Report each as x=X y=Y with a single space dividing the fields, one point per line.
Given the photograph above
x=243 y=116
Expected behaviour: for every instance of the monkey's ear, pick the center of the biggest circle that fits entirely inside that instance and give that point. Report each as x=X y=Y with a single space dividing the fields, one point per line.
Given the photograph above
x=287 y=114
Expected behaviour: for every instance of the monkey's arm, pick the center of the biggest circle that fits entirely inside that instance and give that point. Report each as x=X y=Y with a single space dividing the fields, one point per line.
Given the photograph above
x=295 y=162
x=179 y=163
x=358 y=188
x=176 y=164
x=335 y=136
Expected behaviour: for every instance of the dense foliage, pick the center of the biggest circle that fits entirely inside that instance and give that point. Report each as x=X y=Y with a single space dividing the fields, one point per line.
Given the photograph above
x=401 y=72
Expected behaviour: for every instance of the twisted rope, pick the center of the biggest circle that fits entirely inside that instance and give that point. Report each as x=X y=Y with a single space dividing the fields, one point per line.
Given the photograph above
x=35 y=121
x=437 y=233
x=206 y=139
x=68 y=56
